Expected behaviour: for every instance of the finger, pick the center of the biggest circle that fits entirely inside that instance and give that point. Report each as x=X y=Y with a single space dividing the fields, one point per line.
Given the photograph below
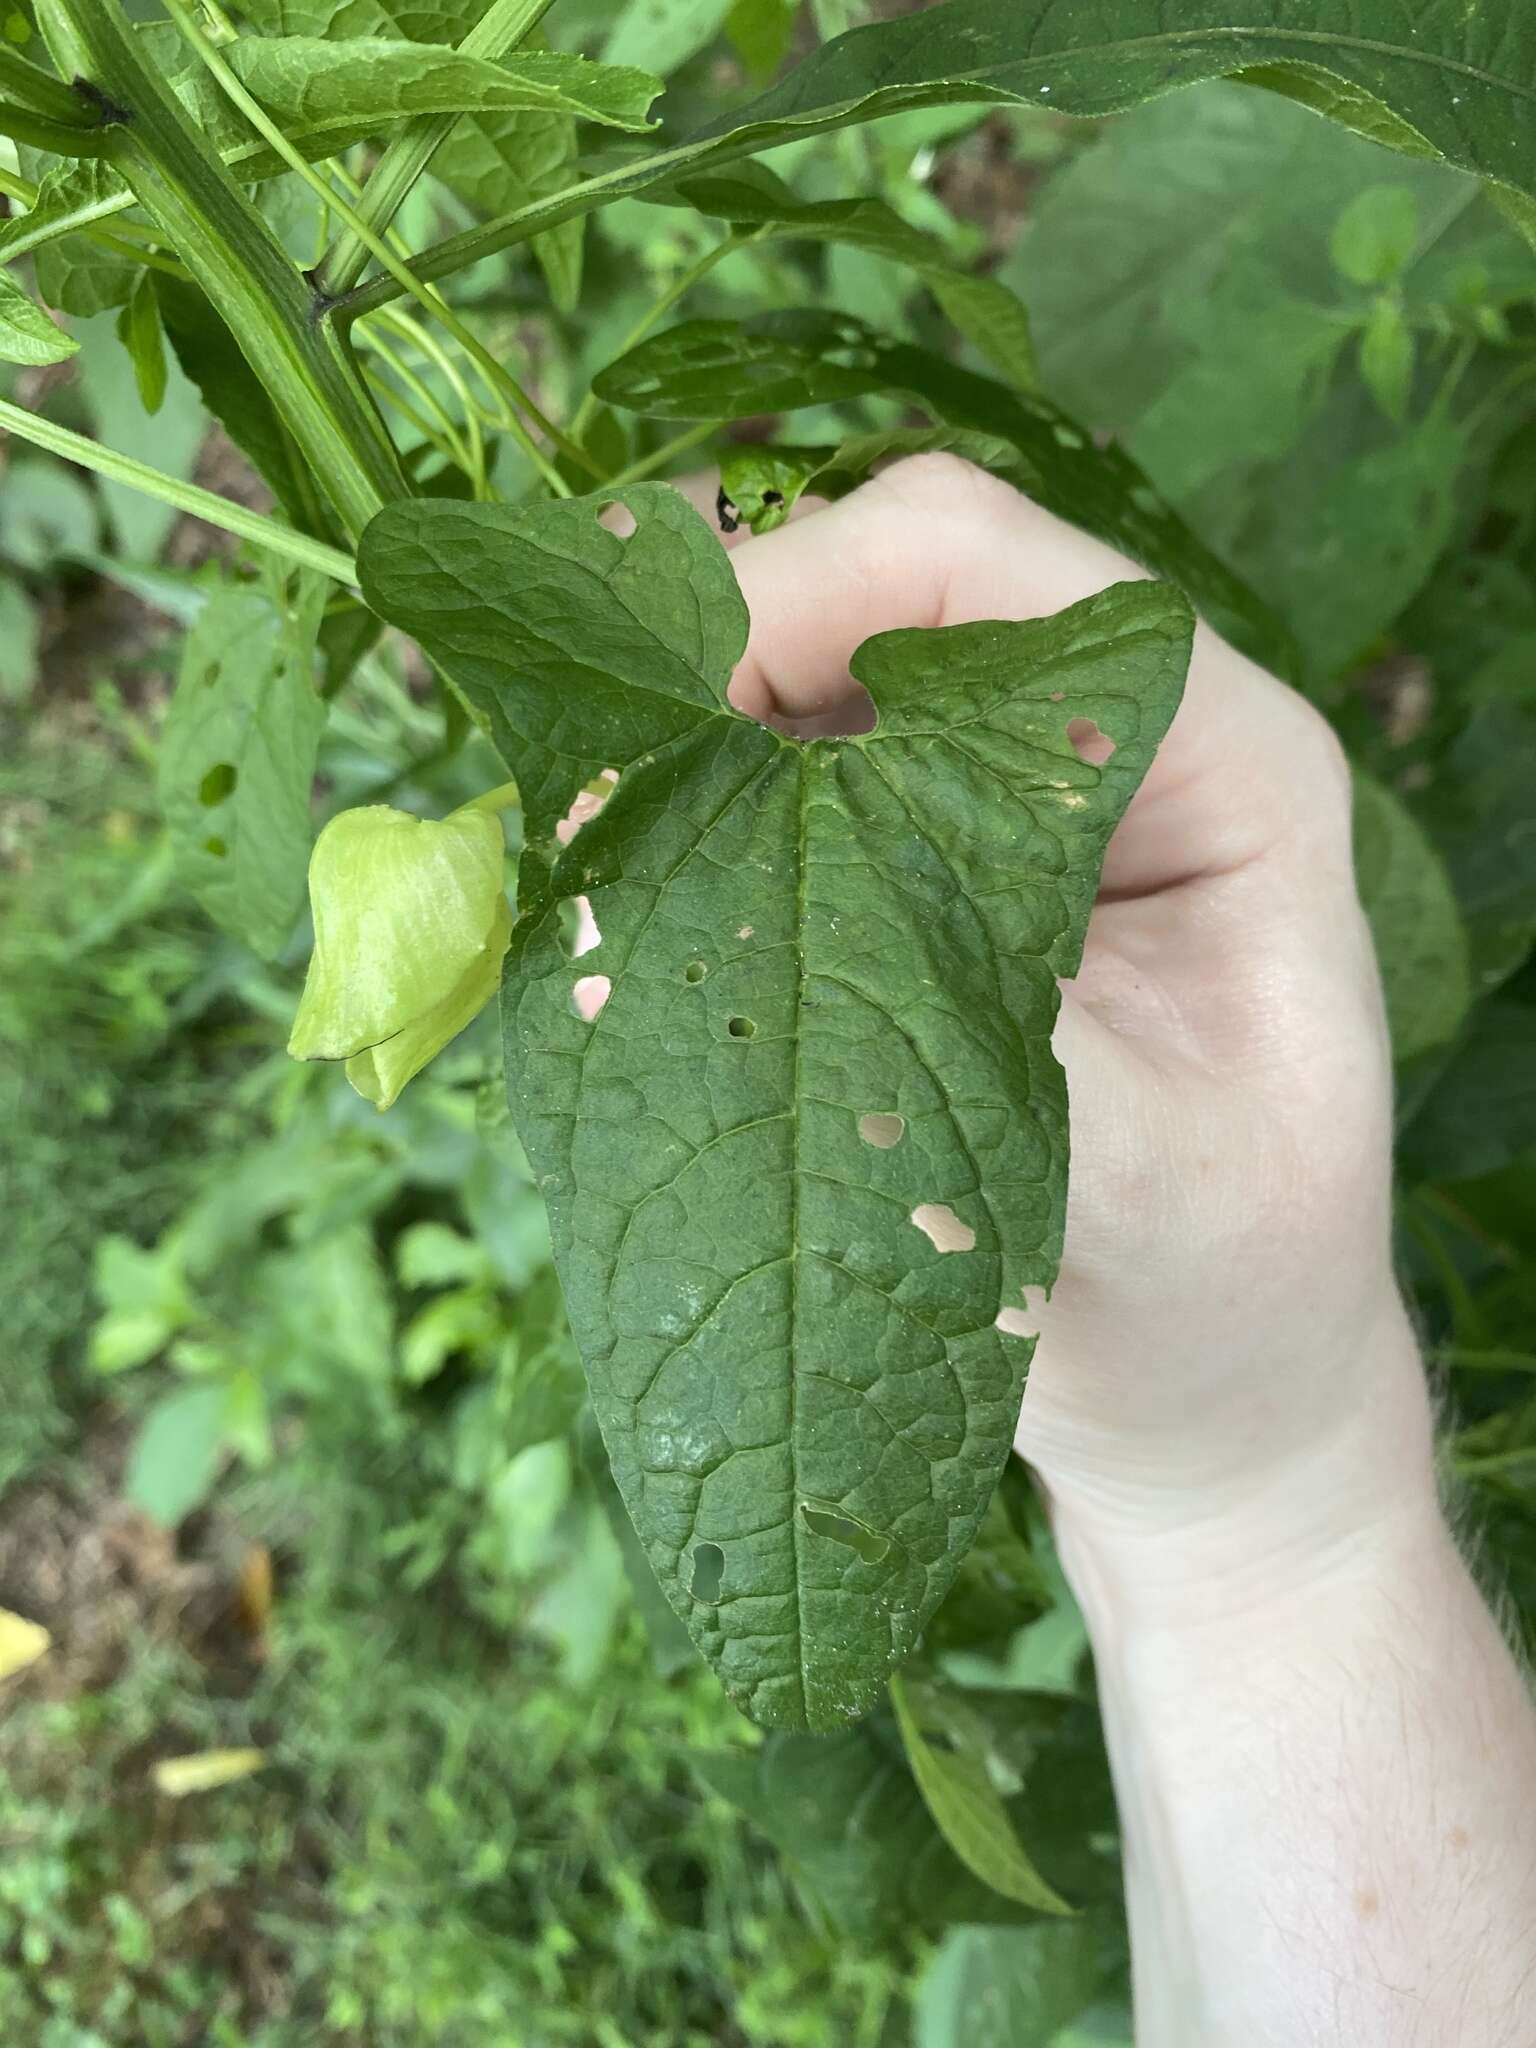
x=931 y=541
x=934 y=541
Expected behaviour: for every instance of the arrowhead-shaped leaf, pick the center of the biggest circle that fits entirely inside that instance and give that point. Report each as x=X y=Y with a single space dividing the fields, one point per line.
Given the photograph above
x=825 y=987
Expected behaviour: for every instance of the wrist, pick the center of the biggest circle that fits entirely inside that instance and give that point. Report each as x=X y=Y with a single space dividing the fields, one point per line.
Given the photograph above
x=1265 y=1533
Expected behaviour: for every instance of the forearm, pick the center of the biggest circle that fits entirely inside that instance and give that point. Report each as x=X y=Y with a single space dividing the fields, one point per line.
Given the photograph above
x=1325 y=1758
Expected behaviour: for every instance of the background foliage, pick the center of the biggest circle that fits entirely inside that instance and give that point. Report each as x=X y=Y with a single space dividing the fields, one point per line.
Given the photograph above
x=499 y=1802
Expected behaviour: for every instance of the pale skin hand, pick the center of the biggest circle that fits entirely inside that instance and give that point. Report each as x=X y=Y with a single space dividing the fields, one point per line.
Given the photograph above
x=1324 y=1754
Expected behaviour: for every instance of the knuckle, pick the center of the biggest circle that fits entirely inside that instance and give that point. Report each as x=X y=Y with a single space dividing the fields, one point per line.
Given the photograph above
x=937 y=480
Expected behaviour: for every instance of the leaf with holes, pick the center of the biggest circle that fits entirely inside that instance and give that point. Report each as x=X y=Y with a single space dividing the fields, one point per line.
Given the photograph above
x=790 y=1323
x=237 y=758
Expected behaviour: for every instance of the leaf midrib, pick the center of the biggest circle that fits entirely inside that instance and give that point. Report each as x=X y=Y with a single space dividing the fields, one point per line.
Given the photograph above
x=1367 y=45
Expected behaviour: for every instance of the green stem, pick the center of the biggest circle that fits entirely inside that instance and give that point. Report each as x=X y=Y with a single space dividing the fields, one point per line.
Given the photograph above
x=412 y=331
x=28 y=87
x=1485 y=1361
x=660 y=457
x=627 y=181
x=234 y=256
x=255 y=113
x=683 y=283
x=407 y=154
x=254 y=527
x=501 y=798
x=57 y=137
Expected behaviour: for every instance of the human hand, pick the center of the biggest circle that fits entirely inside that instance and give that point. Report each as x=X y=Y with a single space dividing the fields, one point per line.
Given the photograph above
x=1224 y=1369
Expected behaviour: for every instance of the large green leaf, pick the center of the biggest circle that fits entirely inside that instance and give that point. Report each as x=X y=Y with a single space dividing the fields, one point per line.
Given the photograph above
x=1421 y=945
x=1005 y=1987
x=1461 y=81
x=1477 y=806
x=727 y=369
x=1481 y=1111
x=806 y=1401
x=237 y=758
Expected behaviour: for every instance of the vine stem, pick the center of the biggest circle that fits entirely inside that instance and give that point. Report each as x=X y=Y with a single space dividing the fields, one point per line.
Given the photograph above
x=500 y=378
x=683 y=283
x=254 y=527
x=660 y=457
x=505 y=24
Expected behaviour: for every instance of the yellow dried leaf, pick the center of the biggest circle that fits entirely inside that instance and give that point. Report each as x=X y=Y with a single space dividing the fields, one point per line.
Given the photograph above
x=176 y=1776
x=22 y=1642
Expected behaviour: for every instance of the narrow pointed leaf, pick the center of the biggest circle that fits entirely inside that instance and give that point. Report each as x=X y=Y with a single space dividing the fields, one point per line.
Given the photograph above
x=807 y=1403
x=1459 y=82
x=969 y=1812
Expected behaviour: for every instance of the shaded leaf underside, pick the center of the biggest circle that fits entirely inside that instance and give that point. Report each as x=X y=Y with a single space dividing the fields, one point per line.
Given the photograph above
x=807 y=1404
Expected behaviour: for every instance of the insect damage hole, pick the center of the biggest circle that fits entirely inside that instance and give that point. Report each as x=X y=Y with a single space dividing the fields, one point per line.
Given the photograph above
x=943 y=1228
x=741 y=1027
x=836 y=1527
x=1088 y=743
x=695 y=971
x=882 y=1130
x=586 y=804
x=1013 y=1322
x=578 y=927
x=217 y=784
x=589 y=995
x=708 y=1572
x=618 y=519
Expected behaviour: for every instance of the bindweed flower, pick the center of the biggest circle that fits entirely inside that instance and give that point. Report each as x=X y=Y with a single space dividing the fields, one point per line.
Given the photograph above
x=411 y=922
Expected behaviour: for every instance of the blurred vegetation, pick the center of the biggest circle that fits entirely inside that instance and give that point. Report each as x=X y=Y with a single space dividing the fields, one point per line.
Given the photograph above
x=296 y=1456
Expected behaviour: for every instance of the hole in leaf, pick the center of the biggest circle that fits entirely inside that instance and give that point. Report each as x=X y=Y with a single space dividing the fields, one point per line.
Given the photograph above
x=881 y=1130
x=216 y=847
x=1058 y=696
x=943 y=1228
x=217 y=784
x=745 y=932
x=1014 y=1322
x=589 y=995
x=741 y=1027
x=586 y=804
x=618 y=519
x=578 y=927
x=708 y=1571
x=1088 y=743
x=695 y=971
x=841 y=1528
